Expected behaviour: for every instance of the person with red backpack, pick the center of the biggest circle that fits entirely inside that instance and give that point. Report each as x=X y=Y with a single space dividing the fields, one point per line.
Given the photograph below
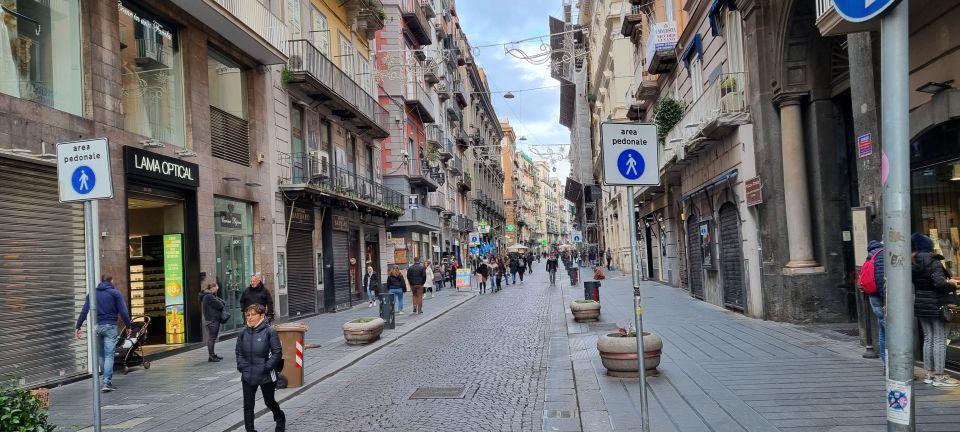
x=871 y=281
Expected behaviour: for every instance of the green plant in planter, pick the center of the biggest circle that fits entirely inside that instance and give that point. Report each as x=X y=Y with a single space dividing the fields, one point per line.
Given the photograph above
x=431 y=155
x=591 y=98
x=21 y=411
x=667 y=114
x=286 y=75
x=584 y=301
x=381 y=13
x=728 y=85
x=362 y=320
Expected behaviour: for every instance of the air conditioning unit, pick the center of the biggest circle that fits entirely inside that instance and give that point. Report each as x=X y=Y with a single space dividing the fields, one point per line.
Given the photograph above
x=319 y=164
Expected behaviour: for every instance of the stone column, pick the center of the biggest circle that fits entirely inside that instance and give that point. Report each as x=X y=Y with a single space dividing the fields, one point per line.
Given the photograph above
x=795 y=190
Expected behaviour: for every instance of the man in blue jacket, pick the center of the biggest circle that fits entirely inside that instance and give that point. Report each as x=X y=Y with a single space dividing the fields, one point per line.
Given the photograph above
x=109 y=305
x=878 y=300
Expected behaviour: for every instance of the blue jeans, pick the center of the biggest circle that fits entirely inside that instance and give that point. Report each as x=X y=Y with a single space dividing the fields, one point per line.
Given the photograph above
x=397 y=298
x=107 y=338
x=371 y=296
x=876 y=303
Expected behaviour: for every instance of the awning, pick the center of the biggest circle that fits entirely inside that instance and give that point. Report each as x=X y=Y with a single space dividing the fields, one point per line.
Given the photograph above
x=695 y=46
x=714 y=13
x=713 y=182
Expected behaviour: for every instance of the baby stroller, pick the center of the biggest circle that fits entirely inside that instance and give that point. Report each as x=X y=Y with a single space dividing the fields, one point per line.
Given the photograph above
x=129 y=350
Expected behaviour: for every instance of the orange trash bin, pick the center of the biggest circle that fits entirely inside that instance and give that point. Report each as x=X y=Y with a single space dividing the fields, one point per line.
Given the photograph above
x=291 y=340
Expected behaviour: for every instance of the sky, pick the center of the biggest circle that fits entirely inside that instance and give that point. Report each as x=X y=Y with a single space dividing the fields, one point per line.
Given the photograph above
x=533 y=113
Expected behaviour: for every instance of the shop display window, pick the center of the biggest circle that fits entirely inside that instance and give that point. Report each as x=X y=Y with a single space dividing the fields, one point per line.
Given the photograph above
x=40 y=52
x=151 y=76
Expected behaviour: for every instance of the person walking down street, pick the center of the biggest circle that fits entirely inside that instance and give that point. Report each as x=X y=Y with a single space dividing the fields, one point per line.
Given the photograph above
x=552 y=266
x=212 y=307
x=110 y=305
x=417 y=276
x=530 y=262
x=396 y=286
x=497 y=271
x=431 y=281
x=438 y=277
x=878 y=298
x=256 y=293
x=258 y=356
x=932 y=285
x=484 y=271
x=521 y=267
x=371 y=284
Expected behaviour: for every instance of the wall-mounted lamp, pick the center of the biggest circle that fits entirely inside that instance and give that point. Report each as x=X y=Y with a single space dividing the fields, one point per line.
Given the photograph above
x=151 y=143
x=231 y=179
x=186 y=153
x=935 y=87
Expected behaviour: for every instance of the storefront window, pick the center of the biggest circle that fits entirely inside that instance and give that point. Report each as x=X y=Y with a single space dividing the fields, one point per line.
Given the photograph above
x=233 y=226
x=227 y=90
x=40 y=52
x=151 y=76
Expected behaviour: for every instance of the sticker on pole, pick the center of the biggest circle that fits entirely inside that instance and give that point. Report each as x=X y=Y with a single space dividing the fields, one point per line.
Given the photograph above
x=899 y=402
x=83 y=170
x=631 y=156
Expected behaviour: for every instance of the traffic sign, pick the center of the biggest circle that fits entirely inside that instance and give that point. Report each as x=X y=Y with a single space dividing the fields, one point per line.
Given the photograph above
x=631 y=156
x=577 y=237
x=862 y=10
x=83 y=170
x=474 y=239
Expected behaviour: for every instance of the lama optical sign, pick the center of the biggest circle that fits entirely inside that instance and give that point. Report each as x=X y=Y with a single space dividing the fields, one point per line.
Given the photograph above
x=631 y=156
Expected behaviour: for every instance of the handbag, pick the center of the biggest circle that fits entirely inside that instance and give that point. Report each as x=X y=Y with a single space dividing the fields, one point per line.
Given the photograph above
x=224 y=316
x=950 y=313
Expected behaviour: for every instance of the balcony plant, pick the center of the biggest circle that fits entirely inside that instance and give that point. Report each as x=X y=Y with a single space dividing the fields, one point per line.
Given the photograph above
x=286 y=74
x=728 y=85
x=667 y=114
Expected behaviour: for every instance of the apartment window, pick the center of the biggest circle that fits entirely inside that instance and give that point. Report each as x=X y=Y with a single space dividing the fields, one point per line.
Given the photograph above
x=352 y=154
x=733 y=33
x=325 y=135
x=296 y=143
x=229 y=131
x=363 y=77
x=320 y=33
x=413 y=156
x=696 y=78
x=669 y=7
x=345 y=58
x=40 y=56
x=293 y=18
x=151 y=76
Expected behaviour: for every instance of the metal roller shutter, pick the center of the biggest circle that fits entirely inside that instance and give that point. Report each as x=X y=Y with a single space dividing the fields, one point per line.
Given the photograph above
x=42 y=266
x=731 y=256
x=341 y=268
x=301 y=274
x=694 y=257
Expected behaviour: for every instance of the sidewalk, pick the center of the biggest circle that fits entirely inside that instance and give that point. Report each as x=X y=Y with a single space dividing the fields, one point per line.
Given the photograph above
x=722 y=371
x=184 y=392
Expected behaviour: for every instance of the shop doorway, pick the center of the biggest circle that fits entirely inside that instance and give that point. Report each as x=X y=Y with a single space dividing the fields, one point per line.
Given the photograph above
x=731 y=257
x=694 y=257
x=156 y=228
x=234 y=242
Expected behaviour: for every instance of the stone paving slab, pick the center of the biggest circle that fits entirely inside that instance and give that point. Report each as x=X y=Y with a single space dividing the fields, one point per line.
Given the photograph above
x=184 y=392
x=722 y=371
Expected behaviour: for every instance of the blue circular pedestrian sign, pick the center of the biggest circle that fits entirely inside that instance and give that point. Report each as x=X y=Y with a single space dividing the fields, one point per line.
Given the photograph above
x=630 y=163
x=83 y=179
x=862 y=10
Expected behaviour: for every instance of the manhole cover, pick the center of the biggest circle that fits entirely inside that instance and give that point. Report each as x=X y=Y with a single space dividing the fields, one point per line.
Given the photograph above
x=557 y=414
x=439 y=393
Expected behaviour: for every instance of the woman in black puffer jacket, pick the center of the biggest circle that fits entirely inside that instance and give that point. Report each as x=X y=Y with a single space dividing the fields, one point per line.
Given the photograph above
x=258 y=354
x=931 y=285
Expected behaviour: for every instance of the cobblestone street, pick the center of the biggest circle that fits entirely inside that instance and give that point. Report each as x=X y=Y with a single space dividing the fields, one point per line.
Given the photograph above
x=494 y=346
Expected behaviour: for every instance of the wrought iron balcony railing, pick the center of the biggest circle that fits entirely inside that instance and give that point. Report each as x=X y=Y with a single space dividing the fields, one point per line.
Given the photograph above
x=309 y=172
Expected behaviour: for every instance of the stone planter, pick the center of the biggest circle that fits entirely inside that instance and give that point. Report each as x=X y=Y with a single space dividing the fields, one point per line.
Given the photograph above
x=361 y=333
x=585 y=311
x=619 y=354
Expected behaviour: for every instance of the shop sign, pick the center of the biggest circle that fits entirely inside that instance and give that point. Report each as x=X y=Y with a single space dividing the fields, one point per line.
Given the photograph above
x=230 y=220
x=663 y=37
x=300 y=217
x=160 y=167
x=463 y=277
x=341 y=223
x=173 y=287
x=754 y=191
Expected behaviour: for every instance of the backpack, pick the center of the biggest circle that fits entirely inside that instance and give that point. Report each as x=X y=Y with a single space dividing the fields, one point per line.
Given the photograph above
x=867 y=278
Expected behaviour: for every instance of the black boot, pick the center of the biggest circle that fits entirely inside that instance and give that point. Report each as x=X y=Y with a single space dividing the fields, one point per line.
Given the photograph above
x=281 y=423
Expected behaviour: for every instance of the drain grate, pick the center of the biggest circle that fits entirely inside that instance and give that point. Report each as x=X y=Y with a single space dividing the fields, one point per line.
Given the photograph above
x=439 y=393
x=557 y=414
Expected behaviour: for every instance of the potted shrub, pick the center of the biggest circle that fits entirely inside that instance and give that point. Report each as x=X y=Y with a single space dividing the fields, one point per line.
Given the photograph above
x=20 y=410
x=618 y=353
x=362 y=330
x=667 y=114
x=585 y=310
x=728 y=85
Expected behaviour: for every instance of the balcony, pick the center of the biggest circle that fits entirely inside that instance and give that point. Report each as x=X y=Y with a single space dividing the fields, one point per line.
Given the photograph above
x=435 y=200
x=721 y=108
x=426 y=177
x=466 y=183
x=246 y=23
x=830 y=23
x=632 y=23
x=312 y=175
x=443 y=92
x=476 y=139
x=459 y=94
x=423 y=217
x=456 y=166
x=417 y=23
x=642 y=96
x=418 y=99
x=369 y=21
x=446 y=149
x=314 y=74
x=460 y=137
x=435 y=136
x=662 y=48
x=428 y=9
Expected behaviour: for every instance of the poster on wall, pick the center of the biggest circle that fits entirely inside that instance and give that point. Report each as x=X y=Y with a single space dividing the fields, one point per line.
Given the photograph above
x=706 y=244
x=400 y=256
x=463 y=278
x=173 y=286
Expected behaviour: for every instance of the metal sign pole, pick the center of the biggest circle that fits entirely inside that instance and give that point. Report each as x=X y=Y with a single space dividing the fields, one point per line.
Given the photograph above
x=894 y=40
x=638 y=313
x=91 y=224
